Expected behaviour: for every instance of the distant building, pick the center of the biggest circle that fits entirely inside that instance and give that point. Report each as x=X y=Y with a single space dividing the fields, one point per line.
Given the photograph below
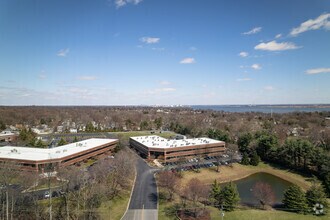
x=8 y=136
x=73 y=130
x=37 y=159
x=60 y=129
x=155 y=147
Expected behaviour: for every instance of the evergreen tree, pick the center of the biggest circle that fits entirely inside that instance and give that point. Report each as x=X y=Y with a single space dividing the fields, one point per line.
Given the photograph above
x=230 y=197
x=245 y=159
x=326 y=184
x=255 y=159
x=218 y=135
x=244 y=141
x=89 y=127
x=75 y=139
x=215 y=193
x=2 y=126
x=39 y=144
x=32 y=142
x=144 y=125
x=316 y=195
x=62 y=142
x=158 y=122
x=294 y=199
x=265 y=144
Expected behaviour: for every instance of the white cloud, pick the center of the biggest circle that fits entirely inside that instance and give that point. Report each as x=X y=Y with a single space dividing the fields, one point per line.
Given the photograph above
x=317 y=71
x=42 y=76
x=244 y=79
x=164 y=83
x=269 y=88
x=256 y=66
x=63 y=52
x=150 y=40
x=188 y=60
x=274 y=46
x=323 y=21
x=121 y=3
x=160 y=91
x=192 y=48
x=87 y=78
x=158 y=48
x=169 y=89
x=253 y=31
x=243 y=54
x=278 y=36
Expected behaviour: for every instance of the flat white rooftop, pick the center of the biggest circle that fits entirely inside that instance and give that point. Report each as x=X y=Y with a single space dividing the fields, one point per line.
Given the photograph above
x=38 y=154
x=6 y=133
x=154 y=141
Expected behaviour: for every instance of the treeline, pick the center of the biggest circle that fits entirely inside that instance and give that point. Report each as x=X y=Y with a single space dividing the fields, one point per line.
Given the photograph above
x=82 y=192
x=295 y=153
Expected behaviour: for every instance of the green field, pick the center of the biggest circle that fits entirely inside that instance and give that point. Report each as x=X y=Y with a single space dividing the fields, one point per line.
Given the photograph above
x=252 y=214
x=248 y=214
x=114 y=209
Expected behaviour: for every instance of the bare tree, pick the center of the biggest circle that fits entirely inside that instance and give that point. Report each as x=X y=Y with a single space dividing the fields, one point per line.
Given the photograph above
x=29 y=181
x=8 y=173
x=264 y=193
x=195 y=190
x=71 y=178
x=169 y=181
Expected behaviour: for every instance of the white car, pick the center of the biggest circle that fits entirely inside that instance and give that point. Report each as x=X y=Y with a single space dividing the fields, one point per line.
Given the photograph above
x=46 y=195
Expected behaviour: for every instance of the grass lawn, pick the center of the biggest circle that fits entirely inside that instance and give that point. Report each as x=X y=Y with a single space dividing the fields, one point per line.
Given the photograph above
x=248 y=214
x=253 y=214
x=238 y=171
x=116 y=208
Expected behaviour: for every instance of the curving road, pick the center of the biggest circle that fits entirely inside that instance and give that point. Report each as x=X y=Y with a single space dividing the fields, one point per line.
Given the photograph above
x=144 y=200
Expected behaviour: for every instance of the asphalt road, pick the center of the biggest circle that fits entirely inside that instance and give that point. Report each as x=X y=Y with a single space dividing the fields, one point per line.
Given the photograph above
x=144 y=200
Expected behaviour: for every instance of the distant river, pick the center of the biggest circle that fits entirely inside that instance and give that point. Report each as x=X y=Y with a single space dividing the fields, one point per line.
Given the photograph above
x=263 y=108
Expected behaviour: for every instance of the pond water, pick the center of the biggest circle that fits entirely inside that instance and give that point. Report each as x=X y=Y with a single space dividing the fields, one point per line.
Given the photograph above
x=245 y=187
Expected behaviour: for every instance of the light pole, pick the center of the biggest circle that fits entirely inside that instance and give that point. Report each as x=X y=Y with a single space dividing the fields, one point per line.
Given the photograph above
x=49 y=188
x=222 y=212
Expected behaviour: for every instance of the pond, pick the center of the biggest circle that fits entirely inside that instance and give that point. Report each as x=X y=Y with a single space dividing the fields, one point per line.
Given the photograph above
x=245 y=187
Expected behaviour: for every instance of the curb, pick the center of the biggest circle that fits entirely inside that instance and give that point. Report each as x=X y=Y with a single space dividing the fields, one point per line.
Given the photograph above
x=129 y=201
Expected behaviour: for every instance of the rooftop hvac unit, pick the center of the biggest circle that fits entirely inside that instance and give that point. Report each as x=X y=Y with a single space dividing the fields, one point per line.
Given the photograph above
x=14 y=150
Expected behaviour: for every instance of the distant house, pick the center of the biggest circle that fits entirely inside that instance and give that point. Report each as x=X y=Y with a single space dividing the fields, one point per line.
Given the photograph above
x=8 y=136
x=73 y=130
x=60 y=129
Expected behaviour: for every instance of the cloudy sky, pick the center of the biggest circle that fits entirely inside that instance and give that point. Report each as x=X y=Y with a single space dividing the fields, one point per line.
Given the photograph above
x=132 y=52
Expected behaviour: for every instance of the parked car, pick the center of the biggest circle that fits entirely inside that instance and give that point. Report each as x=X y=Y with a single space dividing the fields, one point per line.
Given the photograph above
x=46 y=195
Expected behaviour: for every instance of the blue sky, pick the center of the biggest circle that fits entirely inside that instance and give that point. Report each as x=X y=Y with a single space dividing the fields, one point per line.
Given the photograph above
x=164 y=52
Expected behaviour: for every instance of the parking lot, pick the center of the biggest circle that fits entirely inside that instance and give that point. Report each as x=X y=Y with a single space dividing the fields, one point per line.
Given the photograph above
x=198 y=163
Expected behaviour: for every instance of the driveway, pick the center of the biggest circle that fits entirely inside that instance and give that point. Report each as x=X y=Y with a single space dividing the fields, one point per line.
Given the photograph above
x=144 y=201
